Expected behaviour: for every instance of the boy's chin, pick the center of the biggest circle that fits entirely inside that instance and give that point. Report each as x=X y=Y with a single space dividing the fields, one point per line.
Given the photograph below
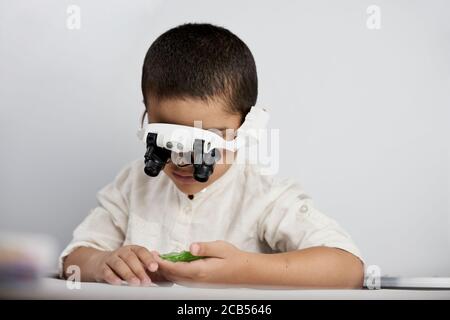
x=192 y=188
x=186 y=185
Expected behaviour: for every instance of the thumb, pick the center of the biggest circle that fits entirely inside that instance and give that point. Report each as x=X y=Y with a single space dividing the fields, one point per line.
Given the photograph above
x=218 y=249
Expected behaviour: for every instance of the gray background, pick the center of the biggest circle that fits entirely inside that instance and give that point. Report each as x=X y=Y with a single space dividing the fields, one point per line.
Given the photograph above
x=367 y=111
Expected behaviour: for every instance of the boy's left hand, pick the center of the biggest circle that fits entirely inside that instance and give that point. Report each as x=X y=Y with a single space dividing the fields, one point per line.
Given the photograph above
x=225 y=264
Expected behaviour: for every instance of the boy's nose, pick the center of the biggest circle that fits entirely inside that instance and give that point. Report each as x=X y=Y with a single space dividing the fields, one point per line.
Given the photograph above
x=182 y=159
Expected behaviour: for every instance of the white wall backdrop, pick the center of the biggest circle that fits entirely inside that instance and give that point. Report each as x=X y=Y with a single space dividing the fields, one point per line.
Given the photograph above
x=367 y=110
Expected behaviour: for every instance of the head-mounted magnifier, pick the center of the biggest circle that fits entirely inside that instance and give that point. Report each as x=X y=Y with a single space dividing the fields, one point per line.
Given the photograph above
x=163 y=139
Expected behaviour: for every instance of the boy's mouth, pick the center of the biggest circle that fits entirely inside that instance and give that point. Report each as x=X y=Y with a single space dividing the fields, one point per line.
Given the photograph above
x=185 y=178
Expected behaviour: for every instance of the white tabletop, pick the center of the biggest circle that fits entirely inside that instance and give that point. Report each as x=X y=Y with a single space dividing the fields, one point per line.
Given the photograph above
x=49 y=288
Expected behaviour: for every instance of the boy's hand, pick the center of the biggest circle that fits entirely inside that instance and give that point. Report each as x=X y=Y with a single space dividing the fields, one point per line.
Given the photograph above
x=225 y=264
x=133 y=264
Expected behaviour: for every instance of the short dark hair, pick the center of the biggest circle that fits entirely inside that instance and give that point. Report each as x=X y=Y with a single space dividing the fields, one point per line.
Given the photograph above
x=200 y=60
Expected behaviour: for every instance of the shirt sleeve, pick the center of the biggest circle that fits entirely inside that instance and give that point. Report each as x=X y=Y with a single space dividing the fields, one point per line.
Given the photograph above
x=291 y=222
x=105 y=227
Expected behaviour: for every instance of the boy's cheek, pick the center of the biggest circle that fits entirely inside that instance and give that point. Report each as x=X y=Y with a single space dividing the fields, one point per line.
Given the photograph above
x=219 y=170
x=226 y=157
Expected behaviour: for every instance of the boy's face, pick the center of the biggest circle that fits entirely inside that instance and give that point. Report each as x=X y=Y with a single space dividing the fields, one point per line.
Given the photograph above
x=213 y=115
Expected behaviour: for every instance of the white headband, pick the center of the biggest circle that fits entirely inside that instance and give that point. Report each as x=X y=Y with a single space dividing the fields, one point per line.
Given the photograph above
x=179 y=138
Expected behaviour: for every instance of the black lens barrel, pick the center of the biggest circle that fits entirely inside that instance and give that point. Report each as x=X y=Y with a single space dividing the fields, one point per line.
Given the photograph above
x=156 y=158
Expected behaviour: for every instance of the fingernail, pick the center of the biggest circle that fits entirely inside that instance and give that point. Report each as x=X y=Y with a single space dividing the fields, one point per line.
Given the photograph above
x=147 y=282
x=134 y=282
x=117 y=282
x=195 y=248
x=153 y=267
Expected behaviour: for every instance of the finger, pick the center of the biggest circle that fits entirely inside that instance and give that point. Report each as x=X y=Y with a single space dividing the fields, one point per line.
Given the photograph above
x=123 y=271
x=217 y=249
x=146 y=258
x=160 y=275
x=109 y=276
x=136 y=266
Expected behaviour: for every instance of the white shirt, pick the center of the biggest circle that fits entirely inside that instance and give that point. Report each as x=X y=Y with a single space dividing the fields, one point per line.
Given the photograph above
x=255 y=212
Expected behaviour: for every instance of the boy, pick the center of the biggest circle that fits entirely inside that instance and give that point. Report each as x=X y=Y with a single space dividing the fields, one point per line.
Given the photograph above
x=253 y=229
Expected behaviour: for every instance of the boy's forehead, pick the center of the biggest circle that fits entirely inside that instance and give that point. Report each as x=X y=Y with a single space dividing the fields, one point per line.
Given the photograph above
x=213 y=115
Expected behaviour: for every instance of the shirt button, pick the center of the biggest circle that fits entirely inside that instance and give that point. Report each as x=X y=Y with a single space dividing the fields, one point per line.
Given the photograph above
x=304 y=208
x=187 y=209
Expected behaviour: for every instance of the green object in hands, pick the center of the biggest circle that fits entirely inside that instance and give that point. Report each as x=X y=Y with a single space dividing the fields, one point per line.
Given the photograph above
x=183 y=256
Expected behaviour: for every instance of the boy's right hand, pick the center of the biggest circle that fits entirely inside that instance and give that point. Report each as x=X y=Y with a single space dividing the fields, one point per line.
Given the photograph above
x=134 y=264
